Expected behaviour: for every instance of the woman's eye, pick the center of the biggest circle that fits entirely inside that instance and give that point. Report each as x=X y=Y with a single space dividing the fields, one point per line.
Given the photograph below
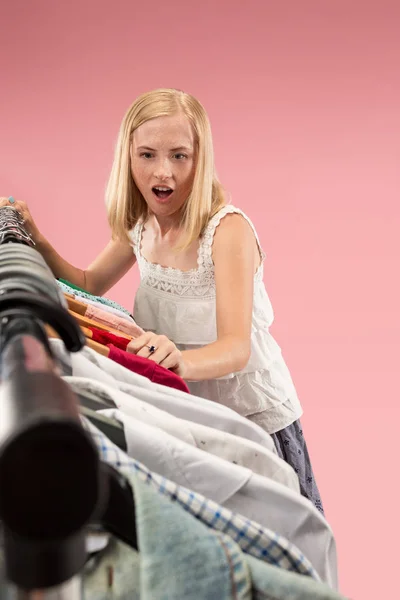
x=180 y=156
x=146 y=155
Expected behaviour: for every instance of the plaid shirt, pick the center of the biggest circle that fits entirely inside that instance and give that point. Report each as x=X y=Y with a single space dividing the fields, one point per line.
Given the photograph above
x=252 y=538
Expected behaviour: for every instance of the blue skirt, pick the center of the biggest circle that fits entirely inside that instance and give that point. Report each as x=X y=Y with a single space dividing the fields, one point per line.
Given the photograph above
x=291 y=446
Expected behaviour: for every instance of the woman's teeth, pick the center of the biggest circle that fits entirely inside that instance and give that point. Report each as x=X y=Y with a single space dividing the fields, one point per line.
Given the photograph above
x=162 y=192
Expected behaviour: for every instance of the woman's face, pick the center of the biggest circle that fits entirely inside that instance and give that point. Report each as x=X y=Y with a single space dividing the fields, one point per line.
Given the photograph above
x=163 y=163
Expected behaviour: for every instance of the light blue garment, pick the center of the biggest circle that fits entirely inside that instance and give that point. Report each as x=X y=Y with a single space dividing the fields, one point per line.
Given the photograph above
x=182 y=559
x=270 y=583
x=82 y=294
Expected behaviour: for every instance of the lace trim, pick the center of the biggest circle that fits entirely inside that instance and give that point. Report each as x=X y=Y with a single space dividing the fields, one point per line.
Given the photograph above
x=166 y=271
x=199 y=286
x=208 y=238
x=198 y=282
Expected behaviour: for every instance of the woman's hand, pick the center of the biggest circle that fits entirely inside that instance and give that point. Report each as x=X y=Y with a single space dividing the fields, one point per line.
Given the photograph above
x=22 y=208
x=159 y=349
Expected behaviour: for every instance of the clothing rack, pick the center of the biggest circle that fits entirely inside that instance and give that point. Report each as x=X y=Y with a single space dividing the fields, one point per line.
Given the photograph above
x=48 y=496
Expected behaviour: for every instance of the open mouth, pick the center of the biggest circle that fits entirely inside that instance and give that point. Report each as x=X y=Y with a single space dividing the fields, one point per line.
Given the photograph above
x=162 y=192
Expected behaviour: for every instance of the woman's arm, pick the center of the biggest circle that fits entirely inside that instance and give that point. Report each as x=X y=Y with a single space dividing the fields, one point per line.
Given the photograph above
x=109 y=267
x=236 y=258
x=104 y=272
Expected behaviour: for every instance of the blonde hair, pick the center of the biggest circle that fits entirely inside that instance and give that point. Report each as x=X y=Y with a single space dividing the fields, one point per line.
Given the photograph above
x=126 y=205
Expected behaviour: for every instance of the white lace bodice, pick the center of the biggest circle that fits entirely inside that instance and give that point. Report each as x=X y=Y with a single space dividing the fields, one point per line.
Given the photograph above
x=182 y=306
x=196 y=283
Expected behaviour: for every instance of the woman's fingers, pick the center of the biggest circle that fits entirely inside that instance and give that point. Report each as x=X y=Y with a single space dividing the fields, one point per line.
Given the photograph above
x=163 y=348
x=172 y=361
x=137 y=344
x=157 y=348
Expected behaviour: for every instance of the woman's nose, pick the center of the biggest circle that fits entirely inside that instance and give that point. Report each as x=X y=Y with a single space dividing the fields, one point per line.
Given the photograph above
x=163 y=170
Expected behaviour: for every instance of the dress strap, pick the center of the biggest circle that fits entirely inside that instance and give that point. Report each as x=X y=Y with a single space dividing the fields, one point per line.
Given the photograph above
x=135 y=237
x=205 y=250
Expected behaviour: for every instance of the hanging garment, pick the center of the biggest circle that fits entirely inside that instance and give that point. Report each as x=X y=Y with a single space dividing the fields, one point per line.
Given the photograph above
x=260 y=499
x=80 y=304
x=89 y=364
x=113 y=321
x=107 y=338
x=108 y=309
x=148 y=368
x=252 y=538
x=231 y=448
x=180 y=558
x=70 y=288
x=306 y=525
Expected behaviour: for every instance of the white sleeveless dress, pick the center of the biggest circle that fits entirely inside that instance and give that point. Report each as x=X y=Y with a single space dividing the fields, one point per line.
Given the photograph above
x=182 y=306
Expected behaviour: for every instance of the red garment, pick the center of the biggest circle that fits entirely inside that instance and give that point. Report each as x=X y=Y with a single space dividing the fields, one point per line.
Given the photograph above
x=106 y=338
x=147 y=368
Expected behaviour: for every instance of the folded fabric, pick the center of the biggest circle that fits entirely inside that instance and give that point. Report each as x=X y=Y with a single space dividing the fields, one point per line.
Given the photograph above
x=70 y=288
x=179 y=557
x=106 y=338
x=105 y=318
x=148 y=368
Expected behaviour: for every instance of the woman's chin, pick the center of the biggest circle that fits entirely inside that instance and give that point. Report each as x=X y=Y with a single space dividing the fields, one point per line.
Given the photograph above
x=164 y=206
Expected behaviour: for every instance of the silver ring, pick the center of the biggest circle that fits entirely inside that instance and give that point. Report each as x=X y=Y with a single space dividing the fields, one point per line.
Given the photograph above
x=152 y=349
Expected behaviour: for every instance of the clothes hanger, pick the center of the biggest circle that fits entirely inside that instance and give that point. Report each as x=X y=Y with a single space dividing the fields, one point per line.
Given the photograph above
x=80 y=308
x=111 y=428
x=89 y=334
x=84 y=321
x=100 y=348
x=75 y=305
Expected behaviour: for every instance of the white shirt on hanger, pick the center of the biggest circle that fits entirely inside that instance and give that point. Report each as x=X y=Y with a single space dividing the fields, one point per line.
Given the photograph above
x=262 y=500
x=266 y=501
x=230 y=447
x=88 y=363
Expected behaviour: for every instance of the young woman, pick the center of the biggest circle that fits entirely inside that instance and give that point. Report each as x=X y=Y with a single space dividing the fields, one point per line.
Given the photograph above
x=201 y=301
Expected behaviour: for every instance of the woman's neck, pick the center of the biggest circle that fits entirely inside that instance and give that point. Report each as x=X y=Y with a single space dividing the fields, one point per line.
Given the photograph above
x=166 y=226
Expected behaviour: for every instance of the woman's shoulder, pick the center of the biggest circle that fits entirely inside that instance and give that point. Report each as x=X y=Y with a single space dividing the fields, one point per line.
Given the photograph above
x=228 y=219
x=230 y=228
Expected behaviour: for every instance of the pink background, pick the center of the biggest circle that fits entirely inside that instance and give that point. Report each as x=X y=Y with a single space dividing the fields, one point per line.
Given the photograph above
x=304 y=101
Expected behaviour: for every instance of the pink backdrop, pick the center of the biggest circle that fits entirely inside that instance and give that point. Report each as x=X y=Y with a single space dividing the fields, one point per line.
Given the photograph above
x=304 y=101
